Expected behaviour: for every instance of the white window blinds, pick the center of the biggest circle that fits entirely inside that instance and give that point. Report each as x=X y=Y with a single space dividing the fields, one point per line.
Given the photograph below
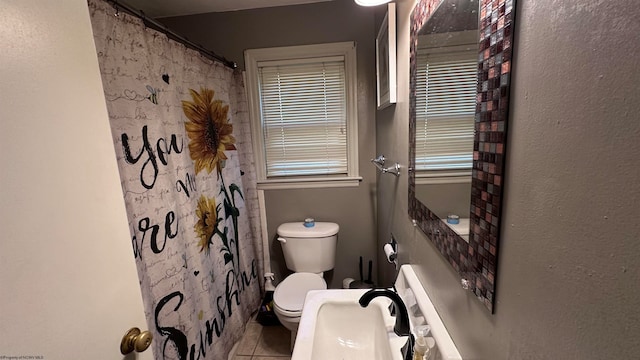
x=445 y=110
x=303 y=107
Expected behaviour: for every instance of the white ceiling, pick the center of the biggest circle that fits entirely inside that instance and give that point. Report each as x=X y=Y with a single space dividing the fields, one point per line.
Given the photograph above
x=165 y=8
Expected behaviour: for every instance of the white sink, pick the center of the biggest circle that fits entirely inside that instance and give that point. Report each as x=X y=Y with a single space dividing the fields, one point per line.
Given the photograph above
x=334 y=325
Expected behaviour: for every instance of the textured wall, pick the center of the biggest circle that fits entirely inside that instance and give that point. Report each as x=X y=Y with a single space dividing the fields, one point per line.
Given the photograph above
x=229 y=34
x=568 y=278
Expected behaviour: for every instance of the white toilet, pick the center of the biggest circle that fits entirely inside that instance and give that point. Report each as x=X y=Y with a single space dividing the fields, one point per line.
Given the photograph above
x=308 y=251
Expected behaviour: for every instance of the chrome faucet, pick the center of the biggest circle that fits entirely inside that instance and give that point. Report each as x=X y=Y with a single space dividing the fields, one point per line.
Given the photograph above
x=402 y=326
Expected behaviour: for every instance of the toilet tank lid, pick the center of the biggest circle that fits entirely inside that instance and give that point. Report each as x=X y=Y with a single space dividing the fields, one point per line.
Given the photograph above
x=297 y=229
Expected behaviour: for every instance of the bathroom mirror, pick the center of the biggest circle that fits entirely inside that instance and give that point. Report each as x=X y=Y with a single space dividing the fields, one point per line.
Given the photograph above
x=459 y=95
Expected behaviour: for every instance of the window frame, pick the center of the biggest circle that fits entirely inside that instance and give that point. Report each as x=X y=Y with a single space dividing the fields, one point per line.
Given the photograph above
x=253 y=57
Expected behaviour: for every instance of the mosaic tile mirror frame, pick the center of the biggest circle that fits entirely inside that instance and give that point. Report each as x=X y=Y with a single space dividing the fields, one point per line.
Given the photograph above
x=475 y=260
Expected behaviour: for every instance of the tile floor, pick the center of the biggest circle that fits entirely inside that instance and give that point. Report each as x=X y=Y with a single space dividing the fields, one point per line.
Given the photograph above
x=264 y=343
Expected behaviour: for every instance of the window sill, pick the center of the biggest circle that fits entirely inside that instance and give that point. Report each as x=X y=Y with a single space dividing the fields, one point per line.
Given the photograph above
x=433 y=178
x=317 y=183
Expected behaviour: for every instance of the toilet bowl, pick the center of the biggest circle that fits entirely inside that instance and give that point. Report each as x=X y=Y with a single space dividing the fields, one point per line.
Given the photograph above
x=288 y=298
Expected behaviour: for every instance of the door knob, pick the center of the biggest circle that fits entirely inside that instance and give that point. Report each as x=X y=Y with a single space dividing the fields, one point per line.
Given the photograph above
x=136 y=340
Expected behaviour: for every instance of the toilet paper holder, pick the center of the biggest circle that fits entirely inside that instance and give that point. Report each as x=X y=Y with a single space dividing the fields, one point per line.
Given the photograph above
x=391 y=250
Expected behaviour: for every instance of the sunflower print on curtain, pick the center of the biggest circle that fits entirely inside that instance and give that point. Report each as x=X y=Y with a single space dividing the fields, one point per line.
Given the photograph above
x=179 y=124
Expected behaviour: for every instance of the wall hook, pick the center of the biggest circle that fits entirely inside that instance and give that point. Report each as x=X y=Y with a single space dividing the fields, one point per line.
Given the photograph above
x=379 y=160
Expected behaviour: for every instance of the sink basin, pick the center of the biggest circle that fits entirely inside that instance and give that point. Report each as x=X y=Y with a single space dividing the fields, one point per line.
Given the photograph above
x=335 y=326
x=348 y=331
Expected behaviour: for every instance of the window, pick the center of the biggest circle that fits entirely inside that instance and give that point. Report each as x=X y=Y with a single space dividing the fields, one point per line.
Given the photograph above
x=445 y=111
x=302 y=102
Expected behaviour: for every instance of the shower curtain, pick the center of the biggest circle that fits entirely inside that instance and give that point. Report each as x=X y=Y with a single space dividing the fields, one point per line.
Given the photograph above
x=179 y=123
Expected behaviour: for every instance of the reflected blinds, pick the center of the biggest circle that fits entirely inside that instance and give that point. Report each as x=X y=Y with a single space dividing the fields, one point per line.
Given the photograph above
x=445 y=109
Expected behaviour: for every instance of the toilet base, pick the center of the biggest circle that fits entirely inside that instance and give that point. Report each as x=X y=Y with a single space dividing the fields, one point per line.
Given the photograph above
x=291 y=324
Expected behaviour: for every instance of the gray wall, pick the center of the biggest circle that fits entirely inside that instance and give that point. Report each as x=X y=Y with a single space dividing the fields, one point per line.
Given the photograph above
x=446 y=199
x=229 y=34
x=568 y=284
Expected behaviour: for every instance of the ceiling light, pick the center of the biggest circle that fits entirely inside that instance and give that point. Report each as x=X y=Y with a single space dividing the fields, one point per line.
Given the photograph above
x=371 y=2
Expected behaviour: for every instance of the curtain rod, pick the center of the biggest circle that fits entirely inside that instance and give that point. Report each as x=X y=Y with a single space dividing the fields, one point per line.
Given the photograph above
x=154 y=24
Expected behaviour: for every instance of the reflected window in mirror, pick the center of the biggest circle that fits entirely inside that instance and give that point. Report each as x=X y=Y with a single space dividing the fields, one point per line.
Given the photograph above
x=446 y=82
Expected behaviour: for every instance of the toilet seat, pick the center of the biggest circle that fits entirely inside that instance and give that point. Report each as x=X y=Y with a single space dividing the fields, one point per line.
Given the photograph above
x=289 y=295
x=285 y=313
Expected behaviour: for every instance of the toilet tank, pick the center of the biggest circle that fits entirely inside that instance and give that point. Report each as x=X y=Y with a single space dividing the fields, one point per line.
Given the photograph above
x=309 y=249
